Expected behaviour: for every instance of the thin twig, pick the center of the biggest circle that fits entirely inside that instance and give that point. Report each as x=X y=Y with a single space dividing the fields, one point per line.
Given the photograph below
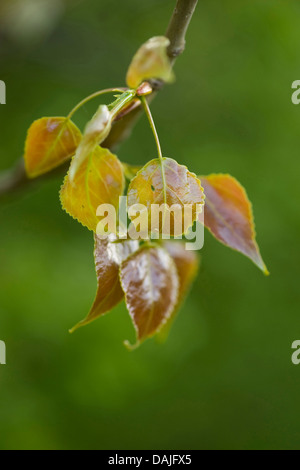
x=178 y=27
x=15 y=179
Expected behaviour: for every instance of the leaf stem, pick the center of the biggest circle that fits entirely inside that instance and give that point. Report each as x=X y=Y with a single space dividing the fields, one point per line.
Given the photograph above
x=153 y=128
x=152 y=125
x=95 y=95
x=121 y=102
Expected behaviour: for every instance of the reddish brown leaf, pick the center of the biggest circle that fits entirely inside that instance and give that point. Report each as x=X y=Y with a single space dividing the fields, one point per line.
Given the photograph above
x=98 y=180
x=228 y=215
x=109 y=255
x=150 y=282
x=50 y=142
x=187 y=264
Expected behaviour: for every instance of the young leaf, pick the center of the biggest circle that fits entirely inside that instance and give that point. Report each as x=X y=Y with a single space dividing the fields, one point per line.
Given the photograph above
x=98 y=180
x=150 y=282
x=95 y=133
x=167 y=183
x=187 y=265
x=109 y=255
x=229 y=217
x=150 y=61
x=50 y=142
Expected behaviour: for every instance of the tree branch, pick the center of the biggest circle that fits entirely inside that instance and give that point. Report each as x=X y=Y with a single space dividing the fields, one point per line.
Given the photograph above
x=15 y=179
x=178 y=27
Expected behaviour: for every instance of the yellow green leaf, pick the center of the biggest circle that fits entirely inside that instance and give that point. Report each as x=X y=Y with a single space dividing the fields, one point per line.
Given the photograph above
x=167 y=182
x=95 y=133
x=150 y=283
x=50 y=142
x=109 y=254
x=98 y=180
x=150 y=61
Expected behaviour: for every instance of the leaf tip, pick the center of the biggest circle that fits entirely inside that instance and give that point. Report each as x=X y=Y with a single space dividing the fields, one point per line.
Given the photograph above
x=266 y=271
x=76 y=327
x=259 y=262
x=131 y=347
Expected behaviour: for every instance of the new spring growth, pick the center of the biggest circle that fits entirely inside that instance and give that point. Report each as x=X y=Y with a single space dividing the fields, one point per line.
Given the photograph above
x=143 y=266
x=150 y=61
x=95 y=132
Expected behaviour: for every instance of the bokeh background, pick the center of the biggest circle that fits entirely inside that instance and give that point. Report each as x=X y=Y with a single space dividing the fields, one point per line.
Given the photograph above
x=224 y=379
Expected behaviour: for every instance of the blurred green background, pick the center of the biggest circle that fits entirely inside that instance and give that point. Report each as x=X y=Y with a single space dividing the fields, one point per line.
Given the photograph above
x=224 y=379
